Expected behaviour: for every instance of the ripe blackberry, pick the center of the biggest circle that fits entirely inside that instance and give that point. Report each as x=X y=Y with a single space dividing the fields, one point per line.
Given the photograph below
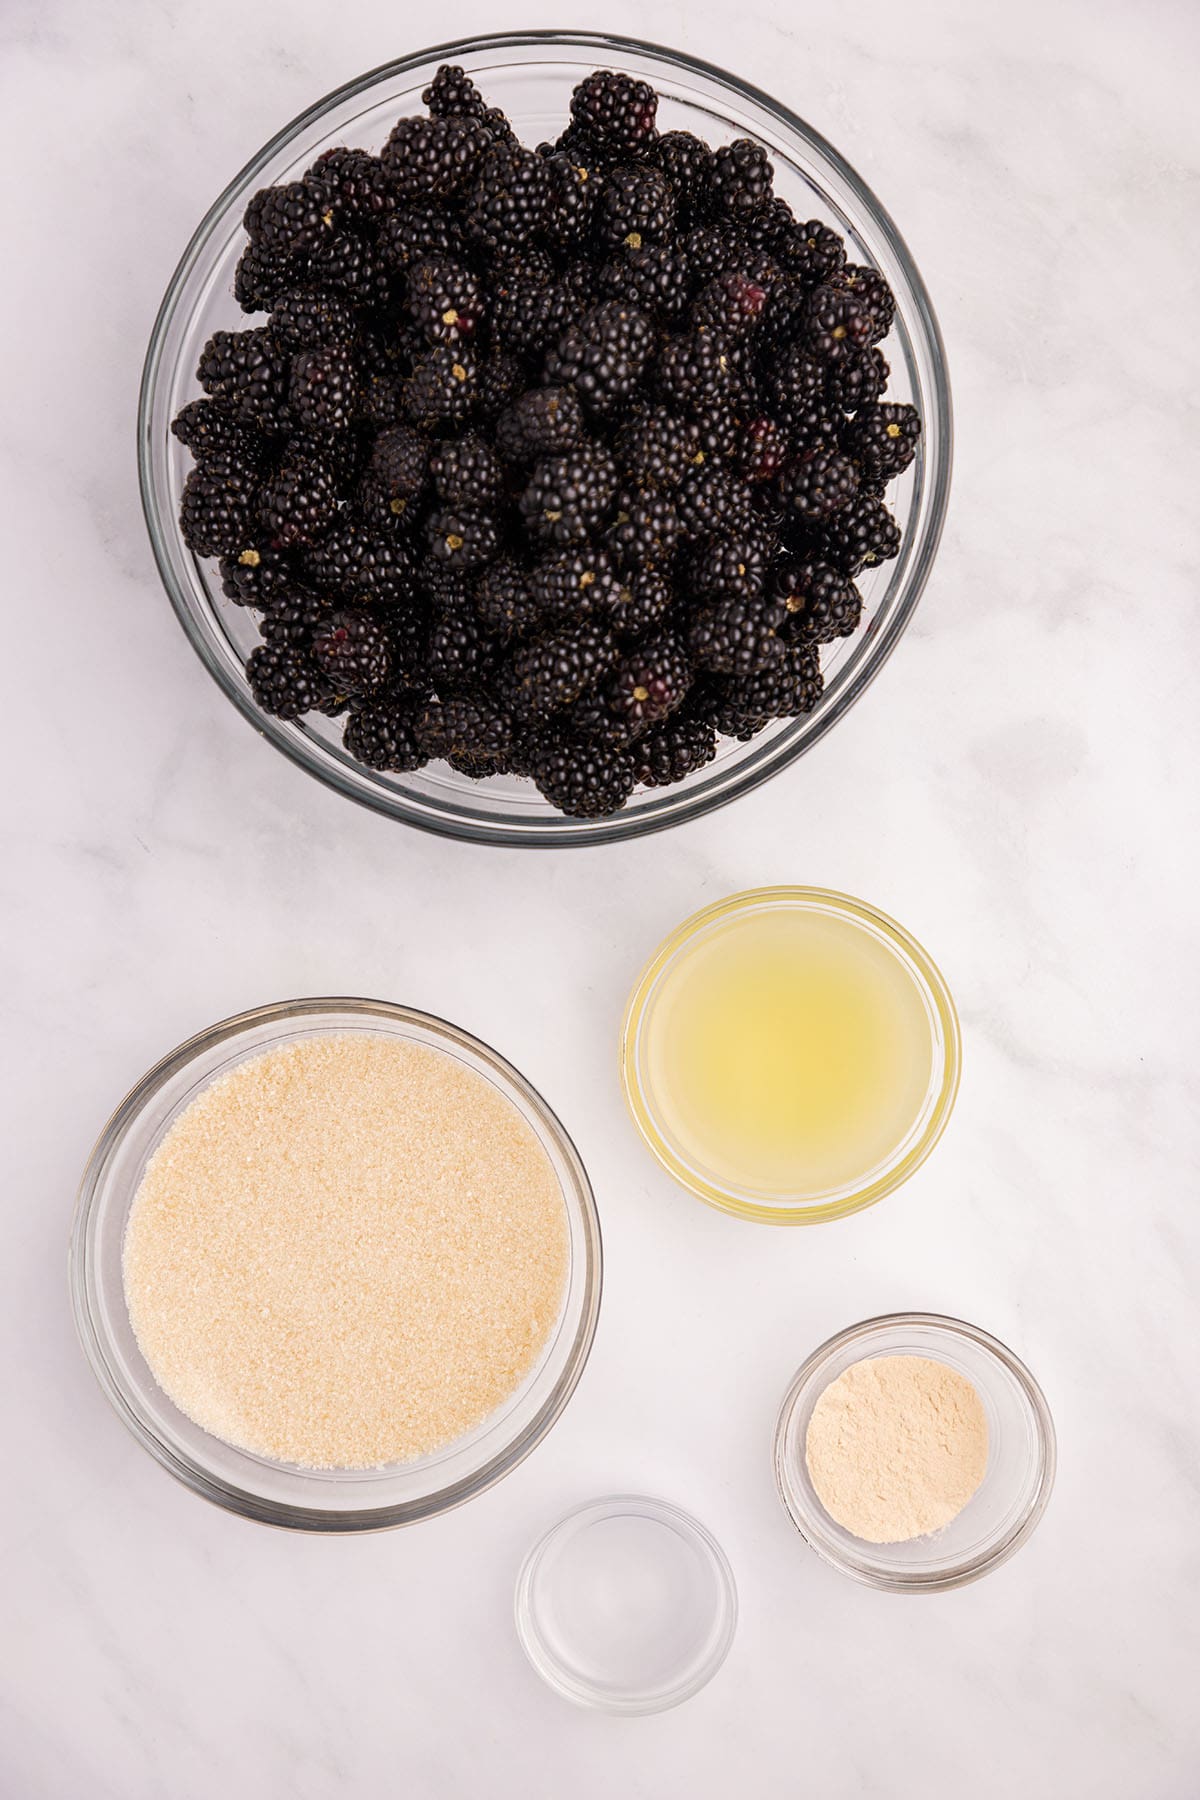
x=396 y=473
x=673 y=750
x=256 y=574
x=467 y=472
x=351 y=266
x=503 y=601
x=650 y=682
x=433 y=158
x=364 y=193
x=817 y=483
x=859 y=536
x=441 y=386
x=617 y=112
x=210 y=430
x=737 y=636
x=407 y=632
x=655 y=279
x=445 y=301
x=729 y=305
x=814 y=250
x=248 y=371
x=216 y=508
x=636 y=206
x=727 y=568
x=344 y=451
x=567 y=586
x=543 y=422
x=360 y=564
x=298 y=501
x=740 y=180
x=306 y=319
x=553 y=668
x=500 y=379
x=509 y=197
x=883 y=440
x=442 y=588
x=453 y=95
x=763 y=450
x=591 y=716
x=742 y=706
x=821 y=604
x=351 y=648
x=717 y=428
x=530 y=310
x=795 y=380
x=639 y=603
x=380 y=736
x=461 y=656
x=568 y=497
x=581 y=778
x=571 y=191
x=468 y=728
x=603 y=356
x=420 y=229
x=323 y=393
x=712 y=500
x=285 y=682
x=713 y=249
x=262 y=276
x=836 y=324
x=656 y=449
x=696 y=369
x=687 y=164
x=291 y=619
x=291 y=218
x=856 y=380
x=462 y=538
x=872 y=291
x=644 y=530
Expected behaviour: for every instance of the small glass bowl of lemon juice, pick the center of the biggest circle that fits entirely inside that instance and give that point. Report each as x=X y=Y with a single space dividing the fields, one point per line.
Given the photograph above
x=791 y=1055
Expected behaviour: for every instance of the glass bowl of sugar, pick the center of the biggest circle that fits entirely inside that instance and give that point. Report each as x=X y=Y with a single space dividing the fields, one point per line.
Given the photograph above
x=336 y=1265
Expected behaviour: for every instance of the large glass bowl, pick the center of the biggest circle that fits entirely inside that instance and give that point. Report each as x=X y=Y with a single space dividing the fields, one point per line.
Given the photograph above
x=278 y=1493
x=531 y=74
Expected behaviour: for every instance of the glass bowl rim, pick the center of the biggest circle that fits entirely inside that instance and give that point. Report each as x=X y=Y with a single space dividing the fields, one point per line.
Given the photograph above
x=578 y=1198
x=783 y=749
x=871 y=1191
x=972 y=1568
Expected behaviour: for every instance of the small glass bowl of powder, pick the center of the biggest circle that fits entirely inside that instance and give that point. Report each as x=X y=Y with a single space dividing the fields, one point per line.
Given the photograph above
x=336 y=1264
x=914 y=1452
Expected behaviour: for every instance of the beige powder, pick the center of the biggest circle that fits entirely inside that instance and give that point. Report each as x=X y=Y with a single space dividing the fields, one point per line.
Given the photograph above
x=345 y=1252
x=896 y=1446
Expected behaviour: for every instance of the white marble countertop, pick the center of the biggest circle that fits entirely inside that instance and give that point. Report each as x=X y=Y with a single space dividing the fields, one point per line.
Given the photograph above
x=1014 y=789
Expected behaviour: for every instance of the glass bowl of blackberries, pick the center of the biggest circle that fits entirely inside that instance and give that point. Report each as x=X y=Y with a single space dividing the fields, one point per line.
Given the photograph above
x=545 y=439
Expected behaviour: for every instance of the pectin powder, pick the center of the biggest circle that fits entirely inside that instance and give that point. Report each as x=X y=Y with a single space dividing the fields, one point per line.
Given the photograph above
x=345 y=1252
x=896 y=1446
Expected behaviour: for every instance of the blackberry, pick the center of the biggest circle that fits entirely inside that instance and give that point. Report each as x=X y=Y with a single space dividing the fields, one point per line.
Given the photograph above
x=603 y=356
x=687 y=164
x=358 y=563
x=813 y=250
x=467 y=472
x=650 y=683
x=445 y=300
x=351 y=648
x=397 y=470
x=856 y=380
x=728 y=305
x=444 y=589
x=615 y=111
x=883 y=440
x=872 y=291
x=453 y=95
x=467 y=728
x=713 y=249
x=566 y=586
x=740 y=180
x=323 y=393
x=821 y=604
x=291 y=218
x=291 y=619
x=500 y=379
x=726 y=568
x=364 y=193
x=769 y=226
x=712 y=500
x=209 y=429
x=216 y=508
x=737 y=636
x=567 y=497
x=639 y=603
x=591 y=716
x=416 y=231
x=795 y=380
x=462 y=538
x=636 y=206
x=503 y=602
x=742 y=706
x=298 y=501
x=285 y=682
x=530 y=311
x=656 y=449
x=380 y=736
x=433 y=158
x=552 y=669
x=509 y=197
x=654 y=278
x=407 y=632
x=262 y=276
x=441 y=386
x=696 y=369
x=763 y=450
x=859 y=536
x=461 y=655
x=584 y=780
x=306 y=319
x=818 y=483
x=257 y=574
x=836 y=324
x=352 y=266
x=644 y=530
x=543 y=422
x=248 y=371
x=570 y=194
x=716 y=428
x=672 y=751
x=343 y=451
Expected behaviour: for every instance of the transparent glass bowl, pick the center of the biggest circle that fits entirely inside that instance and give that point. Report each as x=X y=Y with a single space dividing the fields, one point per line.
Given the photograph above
x=531 y=75
x=995 y=1522
x=794 y=1207
x=338 y=1500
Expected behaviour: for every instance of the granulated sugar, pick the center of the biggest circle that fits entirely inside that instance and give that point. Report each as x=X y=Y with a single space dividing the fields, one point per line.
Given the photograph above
x=896 y=1446
x=346 y=1252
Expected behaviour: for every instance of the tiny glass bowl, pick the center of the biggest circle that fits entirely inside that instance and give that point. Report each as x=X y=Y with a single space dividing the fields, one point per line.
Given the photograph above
x=997 y=1519
x=531 y=74
x=277 y=1493
x=794 y=1207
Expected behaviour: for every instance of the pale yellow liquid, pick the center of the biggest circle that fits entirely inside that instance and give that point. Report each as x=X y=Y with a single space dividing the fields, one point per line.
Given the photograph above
x=787 y=1052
